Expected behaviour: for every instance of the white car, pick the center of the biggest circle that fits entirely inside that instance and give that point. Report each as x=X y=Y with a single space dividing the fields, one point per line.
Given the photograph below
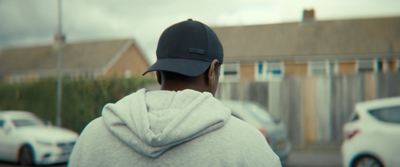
x=26 y=139
x=372 y=137
x=273 y=130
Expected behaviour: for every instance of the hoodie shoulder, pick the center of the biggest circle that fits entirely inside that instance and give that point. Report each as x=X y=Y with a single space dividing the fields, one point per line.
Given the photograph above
x=97 y=146
x=82 y=145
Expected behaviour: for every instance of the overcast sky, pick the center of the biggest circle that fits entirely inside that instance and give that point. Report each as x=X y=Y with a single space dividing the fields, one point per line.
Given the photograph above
x=34 y=22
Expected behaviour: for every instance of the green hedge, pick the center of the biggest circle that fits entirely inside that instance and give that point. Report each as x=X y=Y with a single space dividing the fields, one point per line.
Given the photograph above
x=82 y=100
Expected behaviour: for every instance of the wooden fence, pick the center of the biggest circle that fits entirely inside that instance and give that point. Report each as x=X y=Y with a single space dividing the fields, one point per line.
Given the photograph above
x=314 y=109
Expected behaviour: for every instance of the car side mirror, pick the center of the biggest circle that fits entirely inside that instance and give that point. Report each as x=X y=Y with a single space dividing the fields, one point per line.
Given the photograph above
x=7 y=128
x=277 y=120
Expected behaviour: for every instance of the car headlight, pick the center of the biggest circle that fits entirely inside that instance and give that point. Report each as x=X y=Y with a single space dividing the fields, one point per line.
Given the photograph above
x=44 y=143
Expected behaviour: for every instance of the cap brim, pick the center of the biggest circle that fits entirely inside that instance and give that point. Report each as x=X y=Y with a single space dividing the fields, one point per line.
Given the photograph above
x=186 y=67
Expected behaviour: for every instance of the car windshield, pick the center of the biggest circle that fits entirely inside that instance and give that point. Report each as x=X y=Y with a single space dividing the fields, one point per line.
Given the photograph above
x=27 y=122
x=260 y=113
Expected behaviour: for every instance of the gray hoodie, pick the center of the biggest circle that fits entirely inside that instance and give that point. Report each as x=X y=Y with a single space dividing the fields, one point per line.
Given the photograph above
x=166 y=128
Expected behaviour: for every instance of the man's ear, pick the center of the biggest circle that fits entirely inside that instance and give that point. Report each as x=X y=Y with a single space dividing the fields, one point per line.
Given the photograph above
x=212 y=73
x=158 y=74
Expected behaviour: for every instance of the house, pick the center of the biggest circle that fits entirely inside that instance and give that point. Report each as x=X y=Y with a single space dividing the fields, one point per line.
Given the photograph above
x=270 y=52
x=95 y=59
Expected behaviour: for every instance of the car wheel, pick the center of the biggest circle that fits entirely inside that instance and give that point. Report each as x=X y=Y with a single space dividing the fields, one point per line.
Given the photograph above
x=367 y=161
x=26 y=156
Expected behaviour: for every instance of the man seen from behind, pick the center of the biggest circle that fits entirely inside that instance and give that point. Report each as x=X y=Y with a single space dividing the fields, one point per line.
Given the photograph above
x=180 y=125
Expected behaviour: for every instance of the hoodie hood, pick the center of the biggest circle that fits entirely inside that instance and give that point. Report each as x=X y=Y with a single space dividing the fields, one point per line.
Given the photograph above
x=152 y=122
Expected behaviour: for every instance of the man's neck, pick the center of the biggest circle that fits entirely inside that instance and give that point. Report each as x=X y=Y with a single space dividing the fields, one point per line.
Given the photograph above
x=179 y=86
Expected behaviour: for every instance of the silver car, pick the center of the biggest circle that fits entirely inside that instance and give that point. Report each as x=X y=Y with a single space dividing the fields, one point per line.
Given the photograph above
x=273 y=130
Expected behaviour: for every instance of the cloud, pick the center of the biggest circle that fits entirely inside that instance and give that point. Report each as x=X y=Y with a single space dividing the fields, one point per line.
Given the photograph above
x=27 y=22
x=27 y=17
x=251 y=14
x=35 y=22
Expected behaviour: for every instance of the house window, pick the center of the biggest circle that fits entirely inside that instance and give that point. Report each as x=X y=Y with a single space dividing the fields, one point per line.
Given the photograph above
x=398 y=64
x=127 y=73
x=260 y=66
x=274 y=68
x=383 y=66
x=89 y=75
x=366 y=65
x=230 y=71
x=320 y=68
x=269 y=70
x=18 y=78
x=336 y=67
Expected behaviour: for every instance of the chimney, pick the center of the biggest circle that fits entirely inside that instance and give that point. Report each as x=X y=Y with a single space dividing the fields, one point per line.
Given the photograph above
x=308 y=16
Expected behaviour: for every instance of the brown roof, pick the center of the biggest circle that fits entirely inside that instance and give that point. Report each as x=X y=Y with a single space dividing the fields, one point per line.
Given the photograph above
x=336 y=39
x=75 y=56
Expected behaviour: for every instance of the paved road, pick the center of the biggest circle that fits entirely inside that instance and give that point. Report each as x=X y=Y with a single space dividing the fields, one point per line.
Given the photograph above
x=314 y=159
x=296 y=159
x=6 y=164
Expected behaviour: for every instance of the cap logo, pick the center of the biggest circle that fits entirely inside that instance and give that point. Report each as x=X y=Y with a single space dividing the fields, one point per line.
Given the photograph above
x=196 y=51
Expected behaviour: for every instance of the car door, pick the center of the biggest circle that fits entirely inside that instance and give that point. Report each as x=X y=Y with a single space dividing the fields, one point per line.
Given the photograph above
x=390 y=117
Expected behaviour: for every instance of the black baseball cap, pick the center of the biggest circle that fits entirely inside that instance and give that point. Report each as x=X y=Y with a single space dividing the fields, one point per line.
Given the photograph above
x=187 y=48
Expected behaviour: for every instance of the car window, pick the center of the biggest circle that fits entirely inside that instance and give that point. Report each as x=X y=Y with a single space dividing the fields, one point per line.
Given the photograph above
x=259 y=113
x=391 y=114
x=354 y=117
x=27 y=122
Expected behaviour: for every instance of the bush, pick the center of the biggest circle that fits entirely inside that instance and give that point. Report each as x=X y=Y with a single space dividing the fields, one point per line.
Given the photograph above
x=82 y=100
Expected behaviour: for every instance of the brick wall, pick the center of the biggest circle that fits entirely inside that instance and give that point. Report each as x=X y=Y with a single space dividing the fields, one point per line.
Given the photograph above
x=130 y=60
x=347 y=68
x=247 y=72
x=296 y=69
x=392 y=65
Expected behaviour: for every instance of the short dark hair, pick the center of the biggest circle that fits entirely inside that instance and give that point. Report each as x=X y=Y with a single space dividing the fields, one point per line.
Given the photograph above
x=167 y=75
